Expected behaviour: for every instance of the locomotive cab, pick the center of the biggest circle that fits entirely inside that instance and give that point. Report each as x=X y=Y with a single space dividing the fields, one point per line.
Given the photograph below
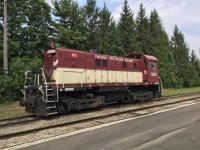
x=150 y=74
x=150 y=69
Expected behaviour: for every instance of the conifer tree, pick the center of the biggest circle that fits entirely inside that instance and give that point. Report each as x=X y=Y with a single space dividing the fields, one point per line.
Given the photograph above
x=159 y=46
x=91 y=17
x=115 y=48
x=142 y=29
x=195 y=63
x=105 y=20
x=180 y=50
x=126 y=29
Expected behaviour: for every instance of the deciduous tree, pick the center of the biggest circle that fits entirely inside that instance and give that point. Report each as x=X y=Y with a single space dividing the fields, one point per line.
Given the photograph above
x=69 y=24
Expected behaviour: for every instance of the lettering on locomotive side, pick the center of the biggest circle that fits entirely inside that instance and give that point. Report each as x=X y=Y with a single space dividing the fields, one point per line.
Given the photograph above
x=101 y=57
x=113 y=58
x=128 y=60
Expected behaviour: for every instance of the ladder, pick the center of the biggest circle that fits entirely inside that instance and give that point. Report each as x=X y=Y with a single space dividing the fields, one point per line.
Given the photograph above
x=51 y=107
x=49 y=97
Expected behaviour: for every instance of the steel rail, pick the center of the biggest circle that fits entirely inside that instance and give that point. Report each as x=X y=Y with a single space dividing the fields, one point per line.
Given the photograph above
x=20 y=133
x=15 y=118
x=158 y=99
x=16 y=121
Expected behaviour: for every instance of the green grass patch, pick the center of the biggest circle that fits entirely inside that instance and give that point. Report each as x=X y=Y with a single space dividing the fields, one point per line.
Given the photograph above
x=171 y=92
x=11 y=109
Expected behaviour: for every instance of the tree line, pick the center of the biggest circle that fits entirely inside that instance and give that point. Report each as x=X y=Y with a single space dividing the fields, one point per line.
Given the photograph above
x=33 y=23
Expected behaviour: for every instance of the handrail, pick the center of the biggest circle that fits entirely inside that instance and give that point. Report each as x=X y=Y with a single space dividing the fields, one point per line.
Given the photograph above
x=44 y=77
x=57 y=93
x=26 y=77
x=160 y=85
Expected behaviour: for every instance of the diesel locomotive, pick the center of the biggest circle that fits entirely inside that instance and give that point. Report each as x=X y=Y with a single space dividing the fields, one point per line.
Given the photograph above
x=74 y=80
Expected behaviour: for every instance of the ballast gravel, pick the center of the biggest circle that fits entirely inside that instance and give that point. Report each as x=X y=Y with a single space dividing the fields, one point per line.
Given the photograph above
x=77 y=116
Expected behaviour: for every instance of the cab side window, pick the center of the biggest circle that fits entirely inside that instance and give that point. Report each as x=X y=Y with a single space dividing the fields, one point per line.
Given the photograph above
x=153 y=65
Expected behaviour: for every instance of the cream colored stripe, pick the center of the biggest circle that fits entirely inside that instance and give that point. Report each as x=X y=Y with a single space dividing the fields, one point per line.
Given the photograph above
x=83 y=76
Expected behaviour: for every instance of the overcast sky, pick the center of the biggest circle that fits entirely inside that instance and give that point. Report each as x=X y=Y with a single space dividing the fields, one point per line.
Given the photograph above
x=184 y=13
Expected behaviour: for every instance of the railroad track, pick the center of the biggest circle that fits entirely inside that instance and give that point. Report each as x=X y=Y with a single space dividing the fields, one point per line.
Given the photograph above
x=104 y=116
x=179 y=95
x=17 y=120
x=12 y=121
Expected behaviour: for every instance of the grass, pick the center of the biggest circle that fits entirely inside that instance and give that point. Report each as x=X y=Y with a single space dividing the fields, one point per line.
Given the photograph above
x=170 y=92
x=13 y=109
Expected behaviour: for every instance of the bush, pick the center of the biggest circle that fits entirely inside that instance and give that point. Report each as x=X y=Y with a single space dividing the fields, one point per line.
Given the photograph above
x=11 y=86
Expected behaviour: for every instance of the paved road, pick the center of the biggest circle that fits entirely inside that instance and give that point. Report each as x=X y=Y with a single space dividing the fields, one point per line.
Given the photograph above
x=177 y=129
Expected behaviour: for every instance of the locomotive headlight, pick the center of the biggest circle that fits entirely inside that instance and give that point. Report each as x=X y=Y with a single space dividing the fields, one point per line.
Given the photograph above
x=40 y=87
x=31 y=90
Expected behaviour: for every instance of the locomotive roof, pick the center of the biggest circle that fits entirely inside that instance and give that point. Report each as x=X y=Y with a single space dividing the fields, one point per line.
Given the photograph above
x=82 y=52
x=73 y=50
x=151 y=57
x=148 y=57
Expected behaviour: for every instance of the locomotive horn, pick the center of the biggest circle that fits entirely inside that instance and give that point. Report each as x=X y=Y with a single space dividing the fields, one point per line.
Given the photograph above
x=51 y=45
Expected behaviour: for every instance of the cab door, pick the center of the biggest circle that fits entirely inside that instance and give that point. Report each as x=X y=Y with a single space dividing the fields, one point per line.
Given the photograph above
x=145 y=71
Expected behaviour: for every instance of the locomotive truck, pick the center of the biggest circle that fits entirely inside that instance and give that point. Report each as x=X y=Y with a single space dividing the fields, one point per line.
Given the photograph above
x=74 y=80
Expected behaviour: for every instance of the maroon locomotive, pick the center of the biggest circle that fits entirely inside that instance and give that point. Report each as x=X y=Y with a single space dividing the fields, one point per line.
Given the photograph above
x=74 y=80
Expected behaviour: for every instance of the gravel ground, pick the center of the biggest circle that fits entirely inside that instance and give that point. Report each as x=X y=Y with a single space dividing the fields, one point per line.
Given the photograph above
x=85 y=114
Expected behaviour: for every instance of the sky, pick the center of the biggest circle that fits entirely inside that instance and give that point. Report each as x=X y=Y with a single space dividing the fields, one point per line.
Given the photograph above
x=183 y=13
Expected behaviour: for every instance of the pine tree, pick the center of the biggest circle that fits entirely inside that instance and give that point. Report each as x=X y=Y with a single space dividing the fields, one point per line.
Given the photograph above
x=195 y=63
x=115 y=48
x=142 y=29
x=126 y=29
x=180 y=49
x=105 y=20
x=159 y=46
x=91 y=16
